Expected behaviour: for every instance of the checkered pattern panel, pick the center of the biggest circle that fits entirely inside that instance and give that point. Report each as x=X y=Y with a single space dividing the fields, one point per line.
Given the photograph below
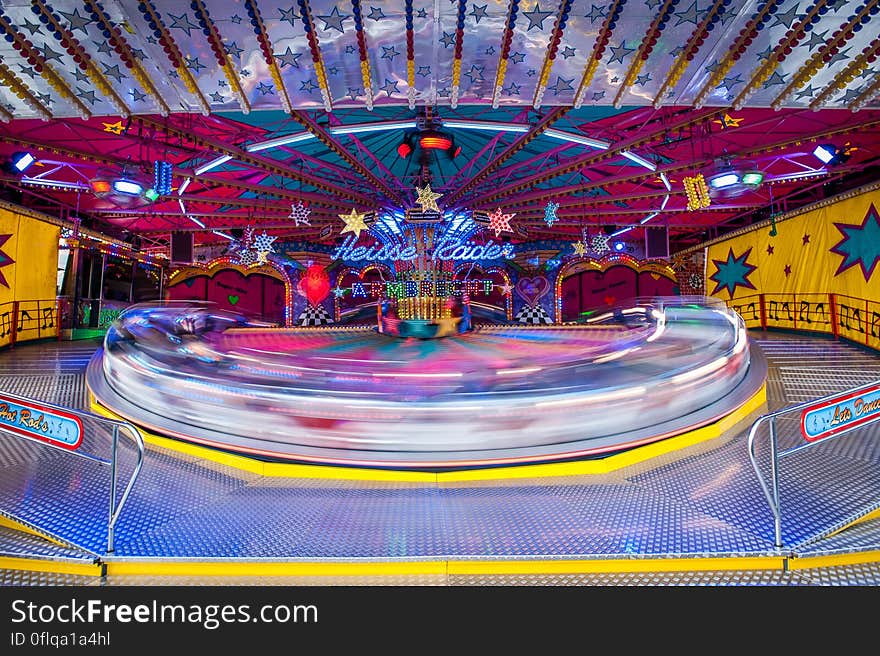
x=536 y=314
x=314 y=316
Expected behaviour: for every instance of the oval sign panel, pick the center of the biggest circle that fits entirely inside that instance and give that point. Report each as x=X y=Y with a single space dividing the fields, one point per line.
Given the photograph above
x=32 y=420
x=841 y=413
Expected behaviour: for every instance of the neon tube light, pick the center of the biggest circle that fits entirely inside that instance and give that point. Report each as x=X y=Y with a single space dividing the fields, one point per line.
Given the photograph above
x=280 y=141
x=204 y=168
x=577 y=138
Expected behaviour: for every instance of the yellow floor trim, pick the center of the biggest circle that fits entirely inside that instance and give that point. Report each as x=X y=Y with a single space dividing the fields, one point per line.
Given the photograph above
x=835 y=560
x=576 y=468
x=8 y=522
x=614 y=566
x=53 y=566
x=864 y=518
x=440 y=567
x=238 y=568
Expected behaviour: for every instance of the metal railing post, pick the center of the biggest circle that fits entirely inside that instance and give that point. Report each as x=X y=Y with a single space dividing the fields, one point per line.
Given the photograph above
x=774 y=483
x=112 y=520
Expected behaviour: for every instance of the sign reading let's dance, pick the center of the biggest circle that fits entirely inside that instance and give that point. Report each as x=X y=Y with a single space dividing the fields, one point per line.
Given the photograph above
x=42 y=423
x=841 y=413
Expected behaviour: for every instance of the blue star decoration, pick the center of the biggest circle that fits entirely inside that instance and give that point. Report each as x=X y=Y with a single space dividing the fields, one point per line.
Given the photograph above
x=860 y=244
x=550 y=213
x=732 y=273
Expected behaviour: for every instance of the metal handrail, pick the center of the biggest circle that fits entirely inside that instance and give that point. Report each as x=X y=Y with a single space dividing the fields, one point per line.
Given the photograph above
x=772 y=492
x=133 y=433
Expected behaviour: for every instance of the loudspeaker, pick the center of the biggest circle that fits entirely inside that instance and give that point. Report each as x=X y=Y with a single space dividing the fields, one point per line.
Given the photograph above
x=656 y=242
x=181 y=247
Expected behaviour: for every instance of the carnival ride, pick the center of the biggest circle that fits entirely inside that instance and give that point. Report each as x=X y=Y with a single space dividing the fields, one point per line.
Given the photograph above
x=502 y=394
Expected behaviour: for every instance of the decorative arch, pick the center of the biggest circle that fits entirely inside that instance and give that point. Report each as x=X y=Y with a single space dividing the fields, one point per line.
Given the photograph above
x=602 y=265
x=211 y=268
x=383 y=269
x=508 y=298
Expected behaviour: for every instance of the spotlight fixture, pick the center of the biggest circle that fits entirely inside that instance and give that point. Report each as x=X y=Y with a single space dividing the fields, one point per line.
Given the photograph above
x=619 y=246
x=724 y=180
x=21 y=161
x=404 y=149
x=831 y=154
x=123 y=189
x=435 y=140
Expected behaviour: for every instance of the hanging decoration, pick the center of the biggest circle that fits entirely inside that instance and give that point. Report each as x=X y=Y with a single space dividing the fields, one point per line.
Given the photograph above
x=427 y=199
x=300 y=214
x=599 y=243
x=262 y=245
x=499 y=221
x=697 y=192
x=550 y=213
x=354 y=222
x=579 y=248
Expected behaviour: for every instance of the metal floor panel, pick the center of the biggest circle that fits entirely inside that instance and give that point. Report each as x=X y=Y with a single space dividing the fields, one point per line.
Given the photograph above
x=701 y=501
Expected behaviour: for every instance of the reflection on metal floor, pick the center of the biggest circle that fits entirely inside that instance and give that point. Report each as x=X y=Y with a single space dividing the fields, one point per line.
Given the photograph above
x=696 y=516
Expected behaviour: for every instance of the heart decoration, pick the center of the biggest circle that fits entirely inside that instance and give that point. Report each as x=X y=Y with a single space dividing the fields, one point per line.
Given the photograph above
x=532 y=289
x=314 y=285
x=232 y=299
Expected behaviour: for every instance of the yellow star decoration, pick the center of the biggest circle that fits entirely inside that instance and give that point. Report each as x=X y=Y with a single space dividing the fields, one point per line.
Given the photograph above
x=354 y=222
x=115 y=128
x=727 y=121
x=427 y=199
x=579 y=248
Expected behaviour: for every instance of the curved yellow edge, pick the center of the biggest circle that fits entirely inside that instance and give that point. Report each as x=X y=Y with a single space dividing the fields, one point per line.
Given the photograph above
x=438 y=567
x=574 y=468
x=864 y=518
x=8 y=522
x=53 y=566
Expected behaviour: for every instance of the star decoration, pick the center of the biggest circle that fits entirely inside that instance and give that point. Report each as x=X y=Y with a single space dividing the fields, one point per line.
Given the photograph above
x=642 y=80
x=506 y=289
x=247 y=257
x=774 y=79
x=550 y=213
x=595 y=13
x=338 y=291
x=49 y=54
x=568 y=51
x=193 y=64
x=537 y=17
x=137 y=95
x=598 y=95
x=182 y=22
x=233 y=50
x=389 y=53
x=732 y=273
x=787 y=18
x=263 y=246
x=390 y=86
x=88 y=96
x=427 y=199
x=499 y=221
x=354 y=222
x=805 y=239
x=727 y=121
x=289 y=15
x=561 y=85
x=424 y=71
x=300 y=214
x=376 y=13
x=216 y=96
x=5 y=260
x=288 y=58
x=114 y=128
x=475 y=74
x=599 y=243
x=490 y=50
x=620 y=52
x=787 y=270
x=769 y=249
x=236 y=19
x=308 y=85
x=517 y=57
x=513 y=89
x=695 y=281
x=579 y=248
x=860 y=244
x=689 y=15
x=448 y=39
x=334 y=20
x=264 y=88
x=422 y=13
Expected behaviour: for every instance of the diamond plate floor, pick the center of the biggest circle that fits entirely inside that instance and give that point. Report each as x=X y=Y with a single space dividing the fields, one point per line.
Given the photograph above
x=699 y=502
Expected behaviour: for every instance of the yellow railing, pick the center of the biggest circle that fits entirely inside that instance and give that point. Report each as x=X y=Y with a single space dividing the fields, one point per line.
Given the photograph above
x=855 y=319
x=24 y=320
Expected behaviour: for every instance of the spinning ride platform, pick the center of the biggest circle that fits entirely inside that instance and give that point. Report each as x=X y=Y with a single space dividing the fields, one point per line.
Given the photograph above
x=496 y=396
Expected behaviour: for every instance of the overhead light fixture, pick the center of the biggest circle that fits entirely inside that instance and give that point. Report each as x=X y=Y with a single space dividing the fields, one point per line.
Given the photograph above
x=404 y=149
x=378 y=126
x=724 y=180
x=831 y=154
x=752 y=178
x=638 y=159
x=22 y=160
x=576 y=138
x=619 y=246
x=434 y=140
x=280 y=141
x=123 y=189
x=127 y=187
x=825 y=153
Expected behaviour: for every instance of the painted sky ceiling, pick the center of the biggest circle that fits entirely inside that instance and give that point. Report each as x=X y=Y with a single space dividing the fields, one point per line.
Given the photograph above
x=682 y=85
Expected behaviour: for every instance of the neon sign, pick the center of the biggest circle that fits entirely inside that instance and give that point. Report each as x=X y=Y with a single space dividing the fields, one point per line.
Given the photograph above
x=447 y=249
x=424 y=288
